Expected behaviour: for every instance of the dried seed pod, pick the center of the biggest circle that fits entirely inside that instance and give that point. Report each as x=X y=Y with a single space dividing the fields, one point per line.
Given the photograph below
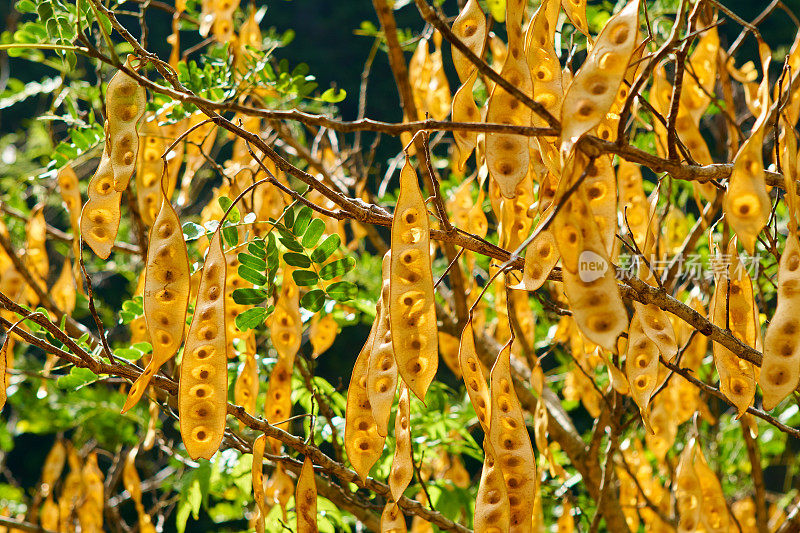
x=438 y=98
x=392 y=519
x=576 y=12
x=733 y=308
x=601 y=192
x=448 y=349
x=90 y=512
x=544 y=64
x=258 y=480
x=53 y=466
x=589 y=281
x=655 y=324
x=402 y=463
x=278 y=405
x=412 y=316
x=100 y=214
x=203 y=386
x=245 y=390
x=322 y=333
x=470 y=28
x=149 y=170
x=125 y=104
x=465 y=110
x=510 y=441
x=592 y=91
x=361 y=439
x=780 y=369
x=714 y=511
x=633 y=200
x=71 y=195
x=48 y=516
x=688 y=491
x=166 y=294
x=71 y=491
x=63 y=291
x=130 y=478
x=473 y=376
x=3 y=368
x=285 y=324
x=696 y=96
x=746 y=203
x=641 y=367
x=382 y=369
x=540 y=258
x=279 y=489
x=492 y=508
x=507 y=155
x=305 y=498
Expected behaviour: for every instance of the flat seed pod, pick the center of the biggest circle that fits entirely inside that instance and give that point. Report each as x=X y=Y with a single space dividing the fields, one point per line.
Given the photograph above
x=322 y=333
x=592 y=91
x=448 y=349
x=576 y=12
x=601 y=192
x=63 y=291
x=149 y=169
x=279 y=489
x=361 y=439
x=402 y=463
x=53 y=465
x=71 y=195
x=305 y=499
x=48 y=516
x=278 y=404
x=286 y=325
x=71 y=492
x=258 y=480
x=655 y=324
x=733 y=308
x=780 y=369
x=695 y=96
x=382 y=369
x=507 y=155
x=166 y=295
x=100 y=214
x=542 y=59
x=492 y=509
x=641 y=367
x=714 y=513
x=474 y=379
x=465 y=110
x=412 y=316
x=130 y=478
x=3 y=368
x=688 y=492
x=125 y=105
x=203 y=386
x=510 y=440
x=245 y=390
x=392 y=519
x=540 y=258
x=470 y=28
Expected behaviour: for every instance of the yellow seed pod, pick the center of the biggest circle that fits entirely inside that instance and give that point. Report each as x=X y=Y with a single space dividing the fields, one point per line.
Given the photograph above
x=544 y=64
x=53 y=466
x=35 y=251
x=166 y=295
x=412 y=316
x=492 y=508
x=473 y=376
x=744 y=511
x=71 y=492
x=746 y=203
x=4 y=365
x=245 y=390
x=419 y=74
x=641 y=367
x=130 y=478
x=203 y=385
x=63 y=291
x=733 y=307
x=448 y=349
x=541 y=256
x=198 y=142
x=100 y=215
x=655 y=324
x=382 y=369
x=361 y=439
x=470 y=28
x=600 y=185
x=510 y=441
x=402 y=463
x=780 y=369
x=149 y=170
x=714 y=512
x=48 y=516
x=278 y=404
x=93 y=487
x=438 y=97
x=589 y=281
x=279 y=489
x=703 y=62
x=663 y=422
x=592 y=91
x=392 y=519
x=150 y=436
x=507 y=155
x=125 y=104
x=71 y=196
x=540 y=421
x=688 y=492
x=322 y=333
x=305 y=499
x=258 y=480
x=285 y=324
x=465 y=110
x=576 y=12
